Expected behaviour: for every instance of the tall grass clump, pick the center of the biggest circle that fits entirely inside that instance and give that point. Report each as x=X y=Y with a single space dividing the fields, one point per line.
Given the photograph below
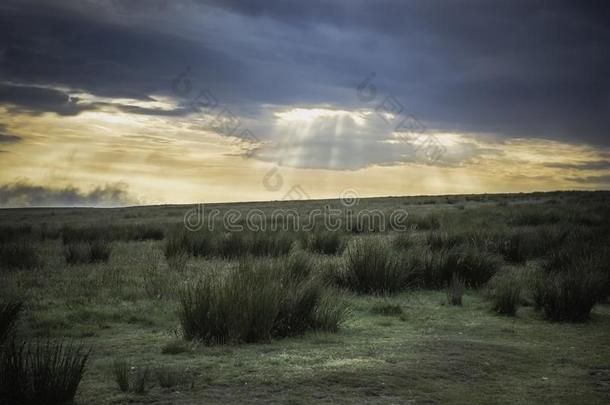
x=570 y=285
x=371 y=266
x=19 y=254
x=426 y=222
x=325 y=242
x=471 y=264
x=41 y=373
x=9 y=314
x=256 y=301
x=504 y=291
x=87 y=252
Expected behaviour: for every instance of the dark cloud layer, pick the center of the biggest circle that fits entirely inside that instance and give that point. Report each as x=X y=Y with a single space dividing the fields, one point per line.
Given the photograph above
x=514 y=68
x=5 y=137
x=23 y=194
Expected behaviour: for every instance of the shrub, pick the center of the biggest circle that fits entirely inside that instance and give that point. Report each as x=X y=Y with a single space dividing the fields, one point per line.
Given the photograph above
x=256 y=301
x=9 y=314
x=471 y=264
x=240 y=307
x=504 y=291
x=18 y=255
x=455 y=291
x=325 y=242
x=569 y=287
x=370 y=266
x=87 y=252
x=41 y=373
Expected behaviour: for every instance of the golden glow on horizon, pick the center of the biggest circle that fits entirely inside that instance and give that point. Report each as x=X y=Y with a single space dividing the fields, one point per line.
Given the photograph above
x=165 y=162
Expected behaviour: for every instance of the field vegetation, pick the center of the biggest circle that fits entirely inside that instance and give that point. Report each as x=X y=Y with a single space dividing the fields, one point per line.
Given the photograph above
x=481 y=299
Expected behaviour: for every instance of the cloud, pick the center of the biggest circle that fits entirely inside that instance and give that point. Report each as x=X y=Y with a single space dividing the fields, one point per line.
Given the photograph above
x=36 y=100
x=593 y=165
x=25 y=194
x=5 y=137
x=516 y=69
x=603 y=180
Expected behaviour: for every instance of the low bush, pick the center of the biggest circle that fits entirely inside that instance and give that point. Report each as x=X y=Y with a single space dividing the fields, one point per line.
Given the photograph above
x=569 y=286
x=87 y=252
x=371 y=266
x=228 y=244
x=9 y=314
x=256 y=301
x=325 y=242
x=19 y=254
x=471 y=264
x=41 y=373
x=504 y=291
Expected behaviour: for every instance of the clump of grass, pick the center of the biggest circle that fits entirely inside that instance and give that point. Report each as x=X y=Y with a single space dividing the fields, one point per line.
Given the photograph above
x=9 y=314
x=41 y=373
x=455 y=291
x=120 y=370
x=569 y=287
x=427 y=222
x=256 y=301
x=471 y=264
x=325 y=242
x=330 y=312
x=157 y=283
x=370 y=266
x=504 y=291
x=141 y=380
x=137 y=383
x=19 y=254
x=87 y=252
x=177 y=243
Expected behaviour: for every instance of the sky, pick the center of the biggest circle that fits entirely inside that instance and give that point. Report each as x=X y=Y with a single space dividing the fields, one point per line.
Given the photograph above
x=116 y=102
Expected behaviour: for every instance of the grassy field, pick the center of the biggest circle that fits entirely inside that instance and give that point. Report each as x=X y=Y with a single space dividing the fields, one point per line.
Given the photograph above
x=482 y=299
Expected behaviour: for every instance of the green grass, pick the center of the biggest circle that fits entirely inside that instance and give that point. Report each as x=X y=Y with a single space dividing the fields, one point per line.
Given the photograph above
x=404 y=347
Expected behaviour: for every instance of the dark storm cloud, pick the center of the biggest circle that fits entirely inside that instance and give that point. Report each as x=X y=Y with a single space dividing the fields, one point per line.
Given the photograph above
x=35 y=100
x=514 y=68
x=5 y=137
x=23 y=194
x=62 y=47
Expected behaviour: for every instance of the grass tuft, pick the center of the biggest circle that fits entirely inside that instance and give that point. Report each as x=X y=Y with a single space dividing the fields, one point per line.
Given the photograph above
x=41 y=373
